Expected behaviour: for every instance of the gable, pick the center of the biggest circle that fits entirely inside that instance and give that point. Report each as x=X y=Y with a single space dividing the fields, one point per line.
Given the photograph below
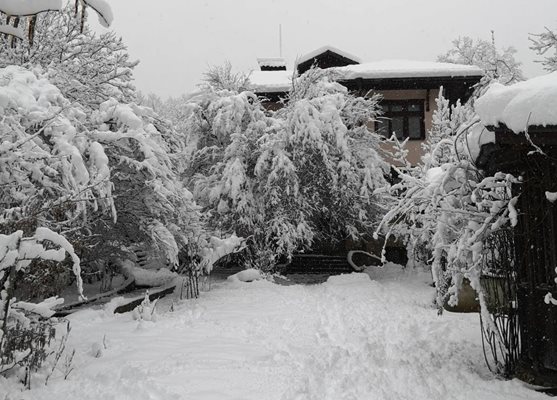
x=325 y=57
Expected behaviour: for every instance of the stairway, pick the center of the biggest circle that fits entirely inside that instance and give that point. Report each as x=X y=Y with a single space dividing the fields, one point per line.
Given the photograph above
x=316 y=264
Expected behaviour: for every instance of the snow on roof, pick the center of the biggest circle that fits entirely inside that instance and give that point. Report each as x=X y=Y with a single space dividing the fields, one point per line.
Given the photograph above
x=529 y=103
x=271 y=62
x=270 y=81
x=323 y=49
x=28 y=7
x=406 y=69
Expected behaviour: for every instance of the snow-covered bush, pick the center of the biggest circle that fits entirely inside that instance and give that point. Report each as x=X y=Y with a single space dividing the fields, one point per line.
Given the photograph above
x=447 y=207
x=306 y=173
x=25 y=330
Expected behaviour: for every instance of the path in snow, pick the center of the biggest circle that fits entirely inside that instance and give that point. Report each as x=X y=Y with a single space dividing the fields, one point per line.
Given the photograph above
x=349 y=338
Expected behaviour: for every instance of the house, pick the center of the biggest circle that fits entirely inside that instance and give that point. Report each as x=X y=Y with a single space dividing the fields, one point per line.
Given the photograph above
x=408 y=88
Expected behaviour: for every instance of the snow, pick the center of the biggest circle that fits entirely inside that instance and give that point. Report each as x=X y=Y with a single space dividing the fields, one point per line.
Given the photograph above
x=147 y=277
x=350 y=338
x=28 y=7
x=476 y=138
x=271 y=62
x=405 y=69
x=219 y=248
x=103 y=10
x=551 y=196
x=247 y=275
x=44 y=308
x=529 y=103
x=322 y=50
x=270 y=81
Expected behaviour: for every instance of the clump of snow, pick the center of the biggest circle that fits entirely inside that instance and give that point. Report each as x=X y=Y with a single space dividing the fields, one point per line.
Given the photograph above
x=551 y=196
x=43 y=309
x=219 y=248
x=146 y=311
x=477 y=136
x=405 y=69
x=247 y=275
x=114 y=303
x=148 y=277
x=529 y=103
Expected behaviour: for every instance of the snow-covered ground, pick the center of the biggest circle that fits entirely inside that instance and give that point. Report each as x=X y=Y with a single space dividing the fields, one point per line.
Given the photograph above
x=351 y=337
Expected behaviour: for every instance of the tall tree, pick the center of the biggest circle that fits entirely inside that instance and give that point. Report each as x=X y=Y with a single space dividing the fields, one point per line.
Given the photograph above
x=498 y=64
x=304 y=174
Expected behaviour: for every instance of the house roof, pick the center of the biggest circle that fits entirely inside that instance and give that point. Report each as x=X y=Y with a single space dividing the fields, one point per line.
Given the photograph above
x=528 y=103
x=324 y=49
x=270 y=81
x=281 y=81
x=406 y=69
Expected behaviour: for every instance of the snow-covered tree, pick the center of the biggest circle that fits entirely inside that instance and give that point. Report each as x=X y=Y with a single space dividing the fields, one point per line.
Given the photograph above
x=306 y=173
x=153 y=206
x=445 y=122
x=498 y=64
x=88 y=68
x=545 y=45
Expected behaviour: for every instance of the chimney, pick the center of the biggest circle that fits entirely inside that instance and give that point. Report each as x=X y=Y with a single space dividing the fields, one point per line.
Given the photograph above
x=272 y=64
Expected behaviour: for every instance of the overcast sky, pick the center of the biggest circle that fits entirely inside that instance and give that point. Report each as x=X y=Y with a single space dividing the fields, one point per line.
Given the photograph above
x=176 y=40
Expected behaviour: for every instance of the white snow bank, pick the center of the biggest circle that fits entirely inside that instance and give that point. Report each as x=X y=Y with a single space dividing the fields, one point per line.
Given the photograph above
x=270 y=81
x=529 y=103
x=476 y=138
x=322 y=50
x=348 y=279
x=29 y=7
x=351 y=338
x=405 y=69
x=247 y=275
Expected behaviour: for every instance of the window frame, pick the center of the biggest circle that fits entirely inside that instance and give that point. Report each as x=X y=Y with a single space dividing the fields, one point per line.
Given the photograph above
x=405 y=113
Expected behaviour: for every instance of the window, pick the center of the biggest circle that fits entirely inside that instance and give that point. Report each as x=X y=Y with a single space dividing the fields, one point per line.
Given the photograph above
x=405 y=118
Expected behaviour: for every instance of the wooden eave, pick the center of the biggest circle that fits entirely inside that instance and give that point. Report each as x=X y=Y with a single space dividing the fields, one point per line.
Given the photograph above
x=410 y=83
